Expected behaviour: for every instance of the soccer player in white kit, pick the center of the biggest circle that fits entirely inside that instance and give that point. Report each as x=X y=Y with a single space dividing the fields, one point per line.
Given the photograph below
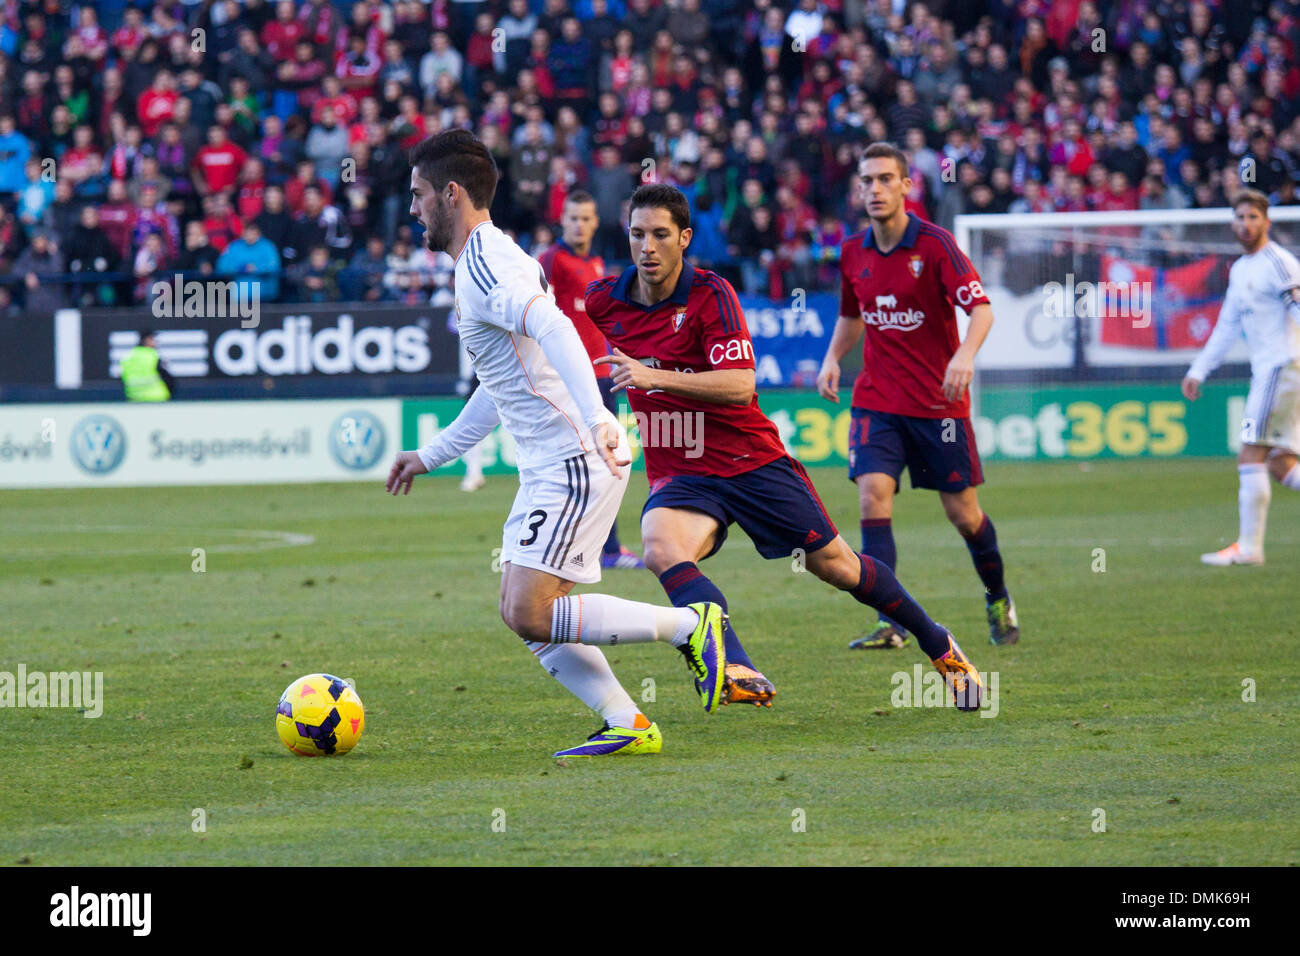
x=1263 y=303
x=536 y=379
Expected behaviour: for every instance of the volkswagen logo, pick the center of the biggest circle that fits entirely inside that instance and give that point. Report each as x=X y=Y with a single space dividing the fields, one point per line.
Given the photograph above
x=357 y=440
x=98 y=444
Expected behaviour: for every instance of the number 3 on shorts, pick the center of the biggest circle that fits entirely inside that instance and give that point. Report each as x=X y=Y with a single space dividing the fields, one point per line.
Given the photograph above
x=536 y=519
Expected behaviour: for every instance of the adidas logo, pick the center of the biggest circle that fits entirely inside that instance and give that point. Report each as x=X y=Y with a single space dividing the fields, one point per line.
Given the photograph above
x=576 y=560
x=617 y=329
x=954 y=477
x=812 y=536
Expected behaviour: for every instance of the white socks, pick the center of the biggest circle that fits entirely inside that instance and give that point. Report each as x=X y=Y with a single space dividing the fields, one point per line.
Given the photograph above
x=586 y=674
x=1252 y=503
x=579 y=622
x=604 y=619
x=1292 y=478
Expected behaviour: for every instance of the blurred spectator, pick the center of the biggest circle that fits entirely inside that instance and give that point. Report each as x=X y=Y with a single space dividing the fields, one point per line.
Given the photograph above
x=441 y=58
x=327 y=146
x=274 y=220
x=319 y=224
x=40 y=264
x=217 y=165
x=148 y=173
x=36 y=195
x=89 y=251
x=199 y=258
x=15 y=149
x=157 y=104
x=363 y=280
x=252 y=258
x=316 y=279
x=529 y=169
x=220 y=222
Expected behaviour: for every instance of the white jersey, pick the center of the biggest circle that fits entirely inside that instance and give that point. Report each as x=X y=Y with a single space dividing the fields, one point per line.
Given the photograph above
x=1261 y=304
x=495 y=283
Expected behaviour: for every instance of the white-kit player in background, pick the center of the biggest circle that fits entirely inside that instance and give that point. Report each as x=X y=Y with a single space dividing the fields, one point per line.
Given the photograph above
x=1263 y=303
x=536 y=379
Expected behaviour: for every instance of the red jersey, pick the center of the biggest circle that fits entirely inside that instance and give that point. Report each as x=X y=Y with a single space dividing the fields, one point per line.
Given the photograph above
x=699 y=328
x=220 y=165
x=222 y=231
x=280 y=39
x=345 y=108
x=153 y=109
x=906 y=298
x=569 y=275
x=248 y=202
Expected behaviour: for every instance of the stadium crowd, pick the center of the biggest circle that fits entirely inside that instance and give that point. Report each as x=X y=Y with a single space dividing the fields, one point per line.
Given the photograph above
x=224 y=138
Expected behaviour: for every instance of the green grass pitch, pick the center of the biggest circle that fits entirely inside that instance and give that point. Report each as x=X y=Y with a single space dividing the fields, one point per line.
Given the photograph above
x=1125 y=694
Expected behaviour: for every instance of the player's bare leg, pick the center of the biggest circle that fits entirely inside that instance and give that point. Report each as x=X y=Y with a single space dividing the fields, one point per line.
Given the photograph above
x=536 y=605
x=674 y=541
x=1255 y=463
x=871 y=582
x=1282 y=466
x=964 y=512
x=876 y=506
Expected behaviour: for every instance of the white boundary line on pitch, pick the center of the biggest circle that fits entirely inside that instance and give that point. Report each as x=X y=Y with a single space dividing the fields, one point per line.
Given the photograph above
x=264 y=540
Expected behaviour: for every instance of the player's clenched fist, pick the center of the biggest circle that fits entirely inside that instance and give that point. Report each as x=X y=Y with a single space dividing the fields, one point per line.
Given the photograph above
x=1191 y=388
x=406 y=466
x=828 y=381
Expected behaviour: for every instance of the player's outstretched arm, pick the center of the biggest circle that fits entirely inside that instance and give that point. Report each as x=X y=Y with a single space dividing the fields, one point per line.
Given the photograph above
x=848 y=332
x=472 y=425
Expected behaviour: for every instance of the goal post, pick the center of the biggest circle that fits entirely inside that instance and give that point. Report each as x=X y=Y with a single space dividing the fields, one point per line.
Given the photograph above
x=1096 y=318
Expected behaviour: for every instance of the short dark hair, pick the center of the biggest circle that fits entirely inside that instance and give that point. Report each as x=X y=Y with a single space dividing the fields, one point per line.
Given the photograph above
x=579 y=196
x=887 y=151
x=1252 y=197
x=662 y=196
x=457 y=155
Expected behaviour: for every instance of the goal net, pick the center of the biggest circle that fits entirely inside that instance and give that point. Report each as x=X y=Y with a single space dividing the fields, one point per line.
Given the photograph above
x=1097 y=316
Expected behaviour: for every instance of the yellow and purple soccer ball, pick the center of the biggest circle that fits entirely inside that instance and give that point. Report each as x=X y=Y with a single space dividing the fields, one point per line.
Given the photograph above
x=320 y=715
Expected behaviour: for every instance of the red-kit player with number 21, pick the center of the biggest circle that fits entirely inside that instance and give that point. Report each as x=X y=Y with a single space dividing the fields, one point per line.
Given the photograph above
x=900 y=280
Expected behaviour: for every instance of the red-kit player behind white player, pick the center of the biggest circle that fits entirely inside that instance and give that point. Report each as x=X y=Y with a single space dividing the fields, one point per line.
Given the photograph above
x=570 y=267
x=900 y=281
x=683 y=352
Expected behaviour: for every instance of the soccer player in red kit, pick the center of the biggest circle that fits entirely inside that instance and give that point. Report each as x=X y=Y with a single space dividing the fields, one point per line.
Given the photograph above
x=683 y=352
x=900 y=279
x=570 y=267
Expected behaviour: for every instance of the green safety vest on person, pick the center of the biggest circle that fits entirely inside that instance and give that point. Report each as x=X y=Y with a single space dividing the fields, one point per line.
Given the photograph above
x=140 y=376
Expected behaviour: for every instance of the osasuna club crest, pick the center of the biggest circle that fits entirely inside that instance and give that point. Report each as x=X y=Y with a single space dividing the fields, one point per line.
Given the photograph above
x=678 y=319
x=915 y=264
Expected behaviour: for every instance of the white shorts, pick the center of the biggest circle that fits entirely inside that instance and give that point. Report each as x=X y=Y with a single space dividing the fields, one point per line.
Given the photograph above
x=1272 y=413
x=562 y=516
